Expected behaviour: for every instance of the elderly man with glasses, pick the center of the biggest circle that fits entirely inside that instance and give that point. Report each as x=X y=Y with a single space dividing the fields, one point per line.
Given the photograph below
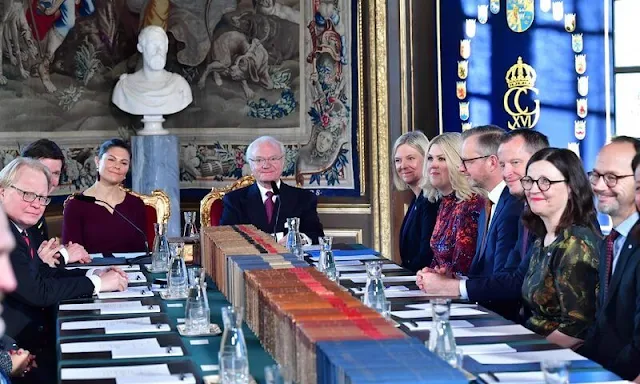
x=24 y=188
x=269 y=202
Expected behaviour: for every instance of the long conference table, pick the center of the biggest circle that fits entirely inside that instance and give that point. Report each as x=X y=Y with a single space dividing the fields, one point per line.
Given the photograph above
x=133 y=335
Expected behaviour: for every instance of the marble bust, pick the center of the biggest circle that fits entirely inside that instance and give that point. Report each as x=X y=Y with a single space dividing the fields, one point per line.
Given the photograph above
x=152 y=91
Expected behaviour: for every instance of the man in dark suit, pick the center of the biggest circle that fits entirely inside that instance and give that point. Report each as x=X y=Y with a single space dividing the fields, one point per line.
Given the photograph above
x=259 y=205
x=502 y=288
x=50 y=155
x=24 y=190
x=614 y=340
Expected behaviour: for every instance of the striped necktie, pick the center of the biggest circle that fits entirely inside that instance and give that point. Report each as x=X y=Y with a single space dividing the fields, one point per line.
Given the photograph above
x=25 y=237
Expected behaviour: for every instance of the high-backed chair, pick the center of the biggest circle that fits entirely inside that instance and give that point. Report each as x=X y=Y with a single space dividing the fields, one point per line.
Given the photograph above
x=211 y=205
x=158 y=210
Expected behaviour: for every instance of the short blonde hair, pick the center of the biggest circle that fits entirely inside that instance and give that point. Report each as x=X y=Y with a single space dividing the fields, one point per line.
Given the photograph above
x=416 y=140
x=9 y=173
x=450 y=143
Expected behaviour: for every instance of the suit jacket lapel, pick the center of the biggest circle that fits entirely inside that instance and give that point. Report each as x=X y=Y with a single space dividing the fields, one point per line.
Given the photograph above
x=501 y=203
x=289 y=199
x=255 y=207
x=629 y=250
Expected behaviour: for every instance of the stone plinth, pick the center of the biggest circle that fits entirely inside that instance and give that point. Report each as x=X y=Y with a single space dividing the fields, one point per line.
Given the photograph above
x=156 y=166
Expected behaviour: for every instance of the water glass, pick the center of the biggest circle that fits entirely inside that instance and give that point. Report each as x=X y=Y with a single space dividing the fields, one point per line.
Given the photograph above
x=194 y=272
x=555 y=371
x=459 y=358
x=234 y=369
x=384 y=309
x=273 y=374
x=196 y=317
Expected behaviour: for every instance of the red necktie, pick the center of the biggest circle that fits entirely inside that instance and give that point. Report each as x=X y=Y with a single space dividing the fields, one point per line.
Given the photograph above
x=26 y=240
x=611 y=238
x=269 y=206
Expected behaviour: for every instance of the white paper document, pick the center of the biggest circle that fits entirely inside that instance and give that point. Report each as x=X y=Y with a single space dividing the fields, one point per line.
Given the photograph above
x=130 y=292
x=529 y=378
x=99 y=346
x=125 y=268
x=136 y=277
x=453 y=305
x=114 y=372
x=138 y=352
x=427 y=325
x=498 y=330
x=159 y=379
x=481 y=349
x=117 y=308
x=360 y=291
x=350 y=257
x=95 y=324
x=387 y=279
x=527 y=357
x=362 y=267
x=411 y=293
x=129 y=255
x=96 y=255
x=348 y=263
x=420 y=313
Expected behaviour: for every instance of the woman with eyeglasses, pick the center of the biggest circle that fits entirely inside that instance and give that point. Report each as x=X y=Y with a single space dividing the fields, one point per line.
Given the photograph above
x=561 y=284
x=94 y=224
x=409 y=153
x=456 y=229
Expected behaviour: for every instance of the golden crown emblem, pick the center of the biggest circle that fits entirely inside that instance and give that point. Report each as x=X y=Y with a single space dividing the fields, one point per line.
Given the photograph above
x=520 y=75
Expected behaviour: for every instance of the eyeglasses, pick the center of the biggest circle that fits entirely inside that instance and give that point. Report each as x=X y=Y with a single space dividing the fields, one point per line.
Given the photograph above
x=261 y=160
x=30 y=197
x=609 y=178
x=543 y=183
x=465 y=161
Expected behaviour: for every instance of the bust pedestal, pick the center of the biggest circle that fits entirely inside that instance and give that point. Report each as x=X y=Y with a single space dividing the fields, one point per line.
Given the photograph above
x=156 y=166
x=153 y=125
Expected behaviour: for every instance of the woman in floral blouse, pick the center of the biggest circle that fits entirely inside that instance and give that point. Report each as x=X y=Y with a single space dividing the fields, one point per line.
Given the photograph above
x=561 y=284
x=454 y=236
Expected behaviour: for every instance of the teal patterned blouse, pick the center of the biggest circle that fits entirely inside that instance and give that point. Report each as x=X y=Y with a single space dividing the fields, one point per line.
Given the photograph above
x=561 y=285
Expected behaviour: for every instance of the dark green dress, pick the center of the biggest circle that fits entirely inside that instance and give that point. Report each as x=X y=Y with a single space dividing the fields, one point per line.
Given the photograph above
x=561 y=285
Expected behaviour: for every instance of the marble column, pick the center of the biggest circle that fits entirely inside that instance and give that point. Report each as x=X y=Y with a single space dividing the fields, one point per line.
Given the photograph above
x=156 y=166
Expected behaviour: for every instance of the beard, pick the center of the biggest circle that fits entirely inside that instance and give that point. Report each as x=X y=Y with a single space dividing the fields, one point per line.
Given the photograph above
x=608 y=208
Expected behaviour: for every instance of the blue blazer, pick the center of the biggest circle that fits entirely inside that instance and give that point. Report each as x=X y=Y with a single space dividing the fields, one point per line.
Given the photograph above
x=492 y=255
x=614 y=339
x=245 y=206
x=415 y=233
x=506 y=285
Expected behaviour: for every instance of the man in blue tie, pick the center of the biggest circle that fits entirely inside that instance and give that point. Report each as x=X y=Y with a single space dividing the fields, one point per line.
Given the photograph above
x=259 y=204
x=516 y=148
x=614 y=339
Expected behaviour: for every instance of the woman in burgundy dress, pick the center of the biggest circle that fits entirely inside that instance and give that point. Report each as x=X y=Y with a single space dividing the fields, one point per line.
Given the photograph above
x=95 y=225
x=454 y=237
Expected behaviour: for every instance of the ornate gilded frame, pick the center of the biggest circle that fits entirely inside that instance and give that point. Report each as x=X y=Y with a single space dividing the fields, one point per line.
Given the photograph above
x=217 y=194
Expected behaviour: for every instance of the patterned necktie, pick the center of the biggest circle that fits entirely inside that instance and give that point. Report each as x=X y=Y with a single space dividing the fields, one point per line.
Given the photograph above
x=25 y=237
x=269 y=206
x=611 y=238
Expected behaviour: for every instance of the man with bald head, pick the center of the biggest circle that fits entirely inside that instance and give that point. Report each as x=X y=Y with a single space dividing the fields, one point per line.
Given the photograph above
x=614 y=340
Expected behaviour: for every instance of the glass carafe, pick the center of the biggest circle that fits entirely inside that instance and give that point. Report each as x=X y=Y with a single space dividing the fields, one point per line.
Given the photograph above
x=441 y=340
x=326 y=262
x=190 y=229
x=294 y=240
x=197 y=309
x=177 y=279
x=160 y=255
x=233 y=356
x=374 y=290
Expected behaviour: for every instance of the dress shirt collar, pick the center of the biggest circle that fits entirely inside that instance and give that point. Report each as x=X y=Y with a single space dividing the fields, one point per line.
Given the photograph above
x=625 y=227
x=20 y=230
x=263 y=190
x=496 y=192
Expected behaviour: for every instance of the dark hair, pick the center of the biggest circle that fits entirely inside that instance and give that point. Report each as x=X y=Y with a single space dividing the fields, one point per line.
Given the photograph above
x=113 y=143
x=629 y=140
x=580 y=209
x=635 y=162
x=43 y=149
x=489 y=137
x=533 y=140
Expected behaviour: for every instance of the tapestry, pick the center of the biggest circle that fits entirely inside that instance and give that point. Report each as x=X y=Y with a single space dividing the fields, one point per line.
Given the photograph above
x=61 y=59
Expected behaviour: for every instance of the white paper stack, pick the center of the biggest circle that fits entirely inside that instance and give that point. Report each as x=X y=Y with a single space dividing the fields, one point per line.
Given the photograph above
x=133 y=374
x=116 y=326
x=116 y=308
x=129 y=293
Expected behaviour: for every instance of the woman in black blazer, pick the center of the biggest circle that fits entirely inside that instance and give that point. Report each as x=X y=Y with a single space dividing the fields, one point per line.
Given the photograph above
x=408 y=155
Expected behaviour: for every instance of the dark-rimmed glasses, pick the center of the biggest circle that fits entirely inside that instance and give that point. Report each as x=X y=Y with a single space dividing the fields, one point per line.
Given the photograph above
x=30 y=197
x=465 y=161
x=610 y=179
x=543 y=183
